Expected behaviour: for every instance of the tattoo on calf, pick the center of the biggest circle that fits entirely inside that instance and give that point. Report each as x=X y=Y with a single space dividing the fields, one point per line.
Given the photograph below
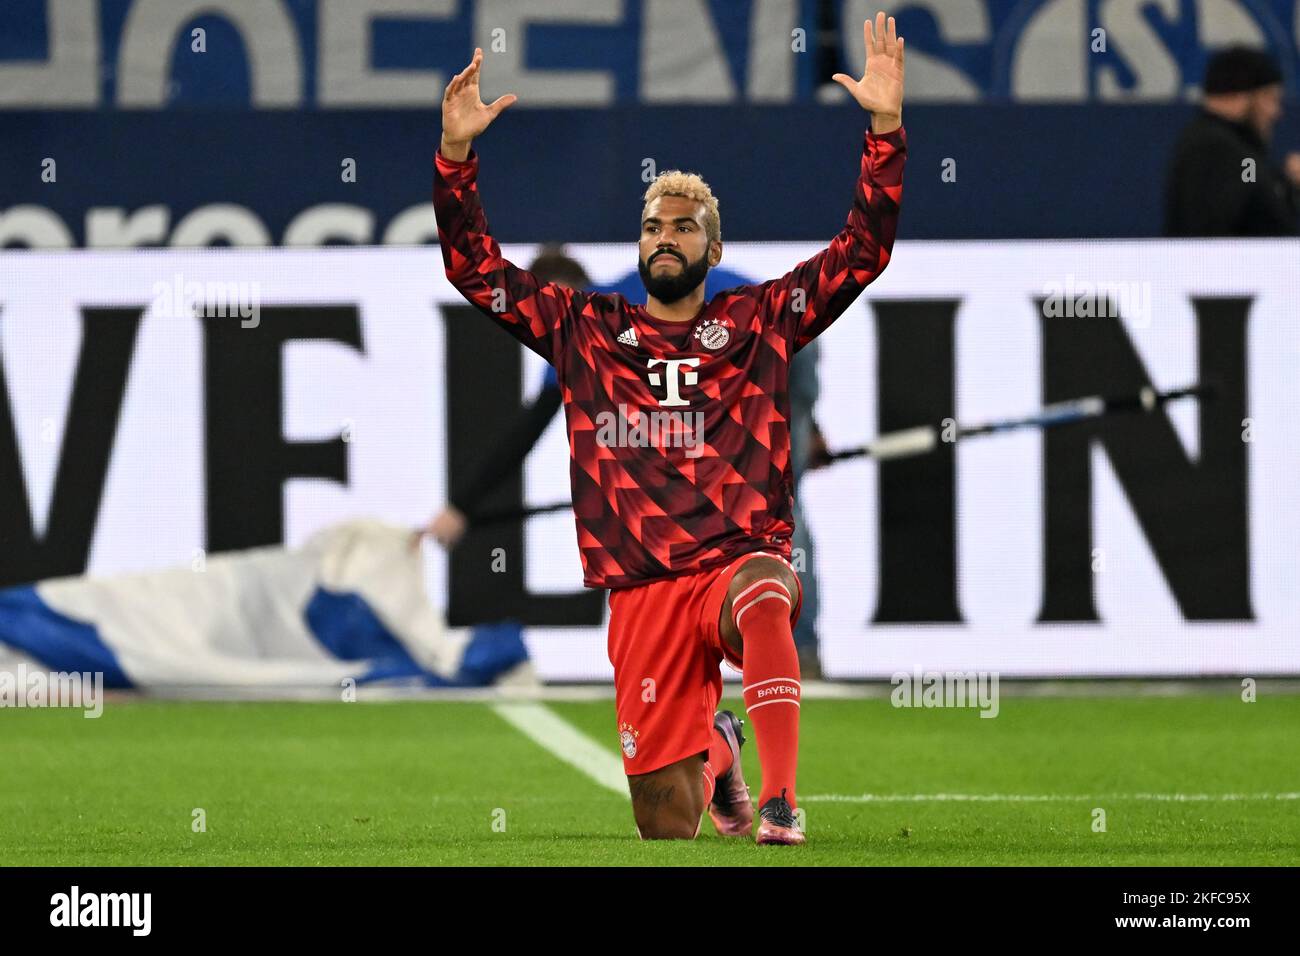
x=652 y=794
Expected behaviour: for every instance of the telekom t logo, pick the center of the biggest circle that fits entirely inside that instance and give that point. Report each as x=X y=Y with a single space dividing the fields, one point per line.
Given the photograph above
x=688 y=378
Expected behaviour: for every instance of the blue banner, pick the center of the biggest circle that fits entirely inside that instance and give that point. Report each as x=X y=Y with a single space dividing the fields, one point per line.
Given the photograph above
x=781 y=173
x=347 y=54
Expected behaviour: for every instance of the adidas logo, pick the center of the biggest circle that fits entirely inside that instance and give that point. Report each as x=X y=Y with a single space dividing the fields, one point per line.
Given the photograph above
x=628 y=337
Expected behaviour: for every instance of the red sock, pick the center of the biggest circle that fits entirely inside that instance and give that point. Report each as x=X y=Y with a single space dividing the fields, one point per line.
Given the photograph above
x=716 y=765
x=771 y=679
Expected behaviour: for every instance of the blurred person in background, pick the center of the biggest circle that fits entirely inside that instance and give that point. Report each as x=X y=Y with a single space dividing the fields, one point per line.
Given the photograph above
x=506 y=458
x=1222 y=180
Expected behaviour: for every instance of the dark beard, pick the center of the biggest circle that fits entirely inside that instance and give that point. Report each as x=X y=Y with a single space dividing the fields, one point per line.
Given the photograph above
x=671 y=288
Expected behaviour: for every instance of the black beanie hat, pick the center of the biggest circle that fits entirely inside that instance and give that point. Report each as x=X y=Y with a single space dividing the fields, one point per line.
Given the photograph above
x=1239 y=69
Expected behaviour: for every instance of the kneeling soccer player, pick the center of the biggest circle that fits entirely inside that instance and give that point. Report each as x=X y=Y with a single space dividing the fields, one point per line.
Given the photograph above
x=677 y=415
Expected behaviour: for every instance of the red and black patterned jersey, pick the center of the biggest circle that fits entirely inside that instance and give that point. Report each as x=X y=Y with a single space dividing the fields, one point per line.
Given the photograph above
x=678 y=431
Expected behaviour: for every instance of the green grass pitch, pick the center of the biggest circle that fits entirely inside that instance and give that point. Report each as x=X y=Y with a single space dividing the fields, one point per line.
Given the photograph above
x=423 y=783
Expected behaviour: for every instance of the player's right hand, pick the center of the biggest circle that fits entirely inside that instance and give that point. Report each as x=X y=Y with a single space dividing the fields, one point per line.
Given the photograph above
x=464 y=115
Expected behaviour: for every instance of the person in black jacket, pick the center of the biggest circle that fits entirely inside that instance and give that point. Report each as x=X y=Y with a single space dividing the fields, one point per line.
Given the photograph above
x=507 y=457
x=1222 y=180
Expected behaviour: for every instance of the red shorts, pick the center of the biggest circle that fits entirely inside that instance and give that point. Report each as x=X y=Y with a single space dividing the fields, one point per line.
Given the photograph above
x=667 y=651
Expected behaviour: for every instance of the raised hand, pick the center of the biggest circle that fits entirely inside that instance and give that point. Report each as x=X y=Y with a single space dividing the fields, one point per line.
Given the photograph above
x=464 y=115
x=881 y=88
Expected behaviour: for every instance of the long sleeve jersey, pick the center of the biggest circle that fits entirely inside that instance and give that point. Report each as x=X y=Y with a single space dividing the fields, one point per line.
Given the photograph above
x=678 y=432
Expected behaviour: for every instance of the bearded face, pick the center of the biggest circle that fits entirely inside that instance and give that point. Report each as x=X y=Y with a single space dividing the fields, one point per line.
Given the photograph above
x=667 y=282
x=673 y=252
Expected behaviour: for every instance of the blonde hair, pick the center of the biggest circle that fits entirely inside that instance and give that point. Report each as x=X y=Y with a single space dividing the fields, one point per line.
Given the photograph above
x=674 y=182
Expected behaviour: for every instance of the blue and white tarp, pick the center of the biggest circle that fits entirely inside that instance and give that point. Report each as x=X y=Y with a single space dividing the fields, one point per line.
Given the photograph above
x=349 y=604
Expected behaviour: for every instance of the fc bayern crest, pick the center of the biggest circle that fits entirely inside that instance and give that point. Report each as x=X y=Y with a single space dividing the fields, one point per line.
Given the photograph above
x=713 y=334
x=627 y=738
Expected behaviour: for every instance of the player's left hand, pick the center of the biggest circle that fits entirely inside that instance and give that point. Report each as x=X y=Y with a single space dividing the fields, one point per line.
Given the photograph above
x=881 y=88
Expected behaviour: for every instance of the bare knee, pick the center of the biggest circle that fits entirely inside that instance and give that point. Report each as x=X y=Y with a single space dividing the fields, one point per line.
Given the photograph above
x=664 y=830
x=668 y=803
x=750 y=574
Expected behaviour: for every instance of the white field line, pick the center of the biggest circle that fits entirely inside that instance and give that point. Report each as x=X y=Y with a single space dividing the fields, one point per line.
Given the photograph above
x=1040 y=797
x=841 y=690
x=552 y=732
x=812 y=690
